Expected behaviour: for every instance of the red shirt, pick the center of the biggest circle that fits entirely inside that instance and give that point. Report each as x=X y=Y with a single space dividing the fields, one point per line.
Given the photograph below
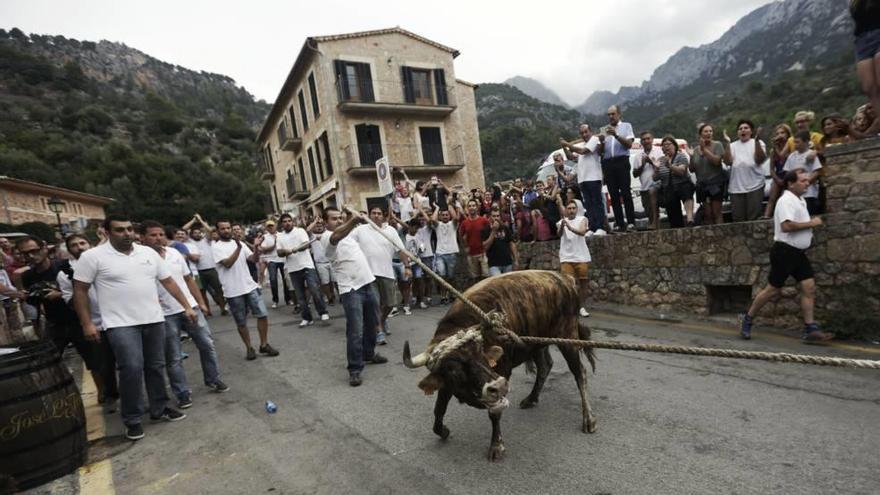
x=472 y=229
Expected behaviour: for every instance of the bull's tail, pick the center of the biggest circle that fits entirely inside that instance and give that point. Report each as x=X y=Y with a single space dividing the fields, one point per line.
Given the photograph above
x=584 y=334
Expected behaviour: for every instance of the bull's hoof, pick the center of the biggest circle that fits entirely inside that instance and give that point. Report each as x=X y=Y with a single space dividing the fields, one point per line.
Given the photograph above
x=528 y=403
x=442 y=432
x=590 y=425
x=496 y=453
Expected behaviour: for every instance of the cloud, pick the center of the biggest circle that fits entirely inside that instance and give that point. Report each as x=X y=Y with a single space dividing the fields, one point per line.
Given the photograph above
x=574 y=48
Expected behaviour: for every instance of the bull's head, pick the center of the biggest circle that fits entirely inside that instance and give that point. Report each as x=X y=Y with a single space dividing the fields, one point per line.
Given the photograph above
x=461 y=365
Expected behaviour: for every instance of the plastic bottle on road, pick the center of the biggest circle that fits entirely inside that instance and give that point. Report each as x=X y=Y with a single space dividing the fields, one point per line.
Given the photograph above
x=271 y=408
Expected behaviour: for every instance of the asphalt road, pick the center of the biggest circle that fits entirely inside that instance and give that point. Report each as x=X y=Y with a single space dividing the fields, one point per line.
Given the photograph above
x=667 y=423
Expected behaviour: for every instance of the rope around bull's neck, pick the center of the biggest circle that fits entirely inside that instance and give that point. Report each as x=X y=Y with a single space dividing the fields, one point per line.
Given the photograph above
x=496 y=320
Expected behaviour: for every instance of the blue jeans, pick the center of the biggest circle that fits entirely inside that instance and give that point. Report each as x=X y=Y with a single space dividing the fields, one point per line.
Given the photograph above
x=140 y=356
x=307 y=277
x=498 y=270
x=594 y=203
x=361 y=319
x=274 y=268
x=201 y=336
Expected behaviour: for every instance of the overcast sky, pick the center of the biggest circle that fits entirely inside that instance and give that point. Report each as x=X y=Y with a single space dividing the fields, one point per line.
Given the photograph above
x=574 y=48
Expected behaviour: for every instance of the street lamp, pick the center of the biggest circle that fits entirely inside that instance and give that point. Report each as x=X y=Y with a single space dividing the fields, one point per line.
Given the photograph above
x=56 y=205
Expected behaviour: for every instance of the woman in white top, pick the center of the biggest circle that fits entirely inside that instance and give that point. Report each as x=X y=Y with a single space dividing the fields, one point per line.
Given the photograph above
x=746 y=176
x=420 y=197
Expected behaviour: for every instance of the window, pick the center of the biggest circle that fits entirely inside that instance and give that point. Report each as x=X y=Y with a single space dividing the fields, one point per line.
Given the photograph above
x=432 y=145
x=369 y=144
x=275 y=198
x=313 y=92
x=282 y=133
x=354 y=81
x=318 y=161
x=418 y=87
x=312 y=168
x=291 y=185
x=302 y=111
x=328 y=162
x=302 y=175
x=293 y=122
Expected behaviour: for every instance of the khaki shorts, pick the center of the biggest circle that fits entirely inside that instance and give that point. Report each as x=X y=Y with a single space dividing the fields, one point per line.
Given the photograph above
x=478 y=266
x=576 y=270
x=386 y=288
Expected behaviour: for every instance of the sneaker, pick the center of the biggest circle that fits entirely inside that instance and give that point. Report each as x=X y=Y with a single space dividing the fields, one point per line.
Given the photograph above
x=377 y=359
x=134 y=432
x=288 y=303
x=297 y=309
x=268 y=350
x=219 y=387
x=394 y=312
x=169 y=415
x=428 y=300
x=812 y=335
x=251 y=354
x=632 y=228
x=745 y=329
x=423 y=305
x=305 y=323
x=590 y=233
x=354 y=379
x=584 y=313
x=274 y=305
x=225 y=312
x=443 y=301
x=406 y=311
x=600 y=232
x=380 y=338
x=184 y=337
x=185 y=403
x=325 y=317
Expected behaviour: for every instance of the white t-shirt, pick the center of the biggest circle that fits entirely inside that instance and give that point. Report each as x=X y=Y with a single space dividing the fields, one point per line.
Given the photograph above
x=66 y=286
x=423 y=201
x=792 y=208
x=301 y=260
x=193 y=249
x=447 y=242
x=271 y=240
x=745 y=175
x=377 y=249
x=124 y=283
x=179 y=269
x=236 y=280
x=424 y=237
x=318 y=249
x=646 y=178
x=406 y=208
x=798 y=160
x=589 y=168
x=572 y=247
x=206 y=253
x=349 y=263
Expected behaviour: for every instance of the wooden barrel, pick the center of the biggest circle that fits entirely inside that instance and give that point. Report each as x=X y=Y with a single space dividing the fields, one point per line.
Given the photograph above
x=42 y=422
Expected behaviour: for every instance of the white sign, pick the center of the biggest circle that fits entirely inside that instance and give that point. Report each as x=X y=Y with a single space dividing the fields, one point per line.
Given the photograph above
x=383 y=173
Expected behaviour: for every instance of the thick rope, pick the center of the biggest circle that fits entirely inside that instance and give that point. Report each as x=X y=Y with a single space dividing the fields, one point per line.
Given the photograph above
x=782 y=357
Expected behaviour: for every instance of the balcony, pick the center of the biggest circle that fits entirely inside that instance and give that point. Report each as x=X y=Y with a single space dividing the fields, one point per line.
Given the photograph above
x=365 y=96
x=360 y=159
x=293 y=144
x=292 y=191
x=267 y=171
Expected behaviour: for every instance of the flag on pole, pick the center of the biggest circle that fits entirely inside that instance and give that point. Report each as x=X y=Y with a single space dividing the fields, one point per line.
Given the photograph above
x=383 y=173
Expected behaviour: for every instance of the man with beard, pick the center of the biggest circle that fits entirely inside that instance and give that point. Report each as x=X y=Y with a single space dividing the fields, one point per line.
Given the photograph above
x=275 y=263
x=200 y=233
x=242 y=292
x=124 y=275
x=293 y=247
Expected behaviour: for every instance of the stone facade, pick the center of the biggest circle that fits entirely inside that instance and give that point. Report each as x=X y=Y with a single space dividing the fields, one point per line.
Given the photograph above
x=24 y=201
x=334 y=140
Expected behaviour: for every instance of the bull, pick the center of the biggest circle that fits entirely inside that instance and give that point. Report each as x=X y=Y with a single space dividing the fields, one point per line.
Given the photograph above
x=474 y=364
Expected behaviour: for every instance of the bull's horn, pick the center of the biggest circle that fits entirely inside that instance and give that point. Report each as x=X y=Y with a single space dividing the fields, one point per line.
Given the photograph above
x=416 y=362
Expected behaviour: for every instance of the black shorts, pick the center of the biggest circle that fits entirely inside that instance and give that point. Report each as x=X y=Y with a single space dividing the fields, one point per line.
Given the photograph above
x=710 y=192
x=683 y=191
x=786 y=261
x=867 y=45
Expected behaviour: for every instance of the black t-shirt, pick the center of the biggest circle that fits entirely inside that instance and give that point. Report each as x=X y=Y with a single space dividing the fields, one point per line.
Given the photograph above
x=498 y=253
x=437 y=196
x=865 y=14
x=56 y=311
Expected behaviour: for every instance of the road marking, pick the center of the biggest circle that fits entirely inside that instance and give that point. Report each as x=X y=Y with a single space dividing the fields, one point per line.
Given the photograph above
x=94 y=478
x=716 y=329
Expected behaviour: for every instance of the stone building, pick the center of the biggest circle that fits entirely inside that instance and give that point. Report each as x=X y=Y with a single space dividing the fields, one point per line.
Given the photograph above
x=353 y=98
x=25 y=201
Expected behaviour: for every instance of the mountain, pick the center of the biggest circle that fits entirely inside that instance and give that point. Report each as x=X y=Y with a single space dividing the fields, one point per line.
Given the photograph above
x=104 y=118
x=517 y=130
x=536 y=90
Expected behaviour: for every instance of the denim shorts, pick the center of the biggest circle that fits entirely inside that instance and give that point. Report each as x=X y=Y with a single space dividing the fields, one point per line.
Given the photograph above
x=399 y=271
x=240 y=305
x=867 y=45
x=445 y=264
x=417 y=271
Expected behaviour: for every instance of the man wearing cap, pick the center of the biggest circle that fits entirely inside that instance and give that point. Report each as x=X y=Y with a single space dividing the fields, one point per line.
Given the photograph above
x=269 y=247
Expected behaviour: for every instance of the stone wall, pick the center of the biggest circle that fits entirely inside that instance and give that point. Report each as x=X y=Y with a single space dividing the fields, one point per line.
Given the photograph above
x=698 y=270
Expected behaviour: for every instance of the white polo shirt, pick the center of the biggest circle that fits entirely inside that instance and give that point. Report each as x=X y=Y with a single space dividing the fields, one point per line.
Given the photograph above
x=179 y=269
x=378 y=250
x=206 y=256
x=572 y=247
x=797 y=160
x=236 y=280
x=125 y=284
x=792 y=208
x=295 y=262
x=193 y=249
x=66 y=286
x=589 y=168
x=349 y=263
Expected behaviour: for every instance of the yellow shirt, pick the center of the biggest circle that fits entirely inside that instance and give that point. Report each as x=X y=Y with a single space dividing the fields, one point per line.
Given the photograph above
x=815 y=139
